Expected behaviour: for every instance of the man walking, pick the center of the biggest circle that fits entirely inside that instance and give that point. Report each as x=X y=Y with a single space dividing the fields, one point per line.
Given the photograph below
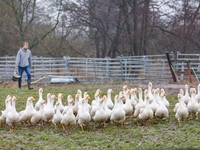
x=23 y=63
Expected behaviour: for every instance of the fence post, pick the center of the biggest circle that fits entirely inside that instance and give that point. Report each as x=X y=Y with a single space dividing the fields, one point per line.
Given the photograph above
x=163 y=68
x=107 y=69
x=125 y=69
x=33 y=65
x=121 y=67
x=6 y=65
x=66 y=65
x=171 y=68
x=86 y=67
x=182 y=70
x=189 y=71
x=172 y=55
x=95 y=72
x=146 y=70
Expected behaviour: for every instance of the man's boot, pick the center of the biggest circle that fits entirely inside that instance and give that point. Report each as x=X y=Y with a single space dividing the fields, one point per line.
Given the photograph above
x=19 y=85
x=29 y=85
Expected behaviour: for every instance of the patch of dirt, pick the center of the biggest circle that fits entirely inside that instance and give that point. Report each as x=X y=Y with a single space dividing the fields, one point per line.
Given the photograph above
x=170 y=88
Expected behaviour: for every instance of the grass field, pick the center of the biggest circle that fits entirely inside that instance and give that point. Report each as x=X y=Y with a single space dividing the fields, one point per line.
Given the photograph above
x=158 y=135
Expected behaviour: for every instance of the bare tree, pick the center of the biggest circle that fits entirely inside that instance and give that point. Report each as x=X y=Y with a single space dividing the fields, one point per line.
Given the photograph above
x=26 y=18
x=96 y=28
x=182 y=26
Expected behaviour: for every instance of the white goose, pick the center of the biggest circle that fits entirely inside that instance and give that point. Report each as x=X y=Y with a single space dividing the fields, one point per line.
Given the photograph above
x=69 y=119
x=162 y=112
x=25 y=115
x=85 y=94
x=182 y=112
x=75 y=106
x=158 y=95
x=95 y=105
x=40 y=100
x=69 y=98
x=60 y=96
x=37 y=117
x=106 y=109
x=116 y=101
x=80 y=96
x=48 y=101
x=87 y=97
x=133 y=99
x=192 y=105
x=109 y=101
x=139 y=105
x=121 y=93
x=83 y=115
x=150 y=85
x=145 y=94
x=96 y=97
x=154 y=105
x=147 y=113
x=100 y=115
x=12 y=116
x=49 y=112
x=128 y=108
x=125 y=88
x=197 y=96
x=166 y=102
x=186 y=97
x=57 y=117
x=7 y=109
x=178 y=104
x=118 y=114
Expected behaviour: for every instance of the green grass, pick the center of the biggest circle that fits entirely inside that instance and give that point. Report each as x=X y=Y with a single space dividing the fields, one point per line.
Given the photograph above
x=158 y=135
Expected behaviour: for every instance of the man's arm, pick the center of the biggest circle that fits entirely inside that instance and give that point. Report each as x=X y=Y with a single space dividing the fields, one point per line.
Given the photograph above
x=30 y=59
x=17 y=59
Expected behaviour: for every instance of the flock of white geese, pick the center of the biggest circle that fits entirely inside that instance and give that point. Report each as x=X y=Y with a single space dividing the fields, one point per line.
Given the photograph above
x=128 y=103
